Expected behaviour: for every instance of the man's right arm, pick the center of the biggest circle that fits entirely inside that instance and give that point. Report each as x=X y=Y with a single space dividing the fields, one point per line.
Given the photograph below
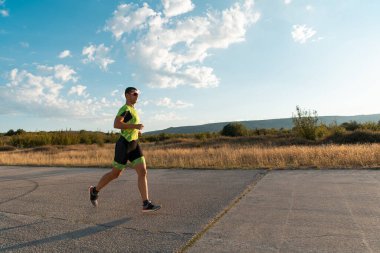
x=119 y=124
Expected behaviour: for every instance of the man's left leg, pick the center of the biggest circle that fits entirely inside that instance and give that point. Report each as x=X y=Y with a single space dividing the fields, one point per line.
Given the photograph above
x=140 y=166
x=142 y=182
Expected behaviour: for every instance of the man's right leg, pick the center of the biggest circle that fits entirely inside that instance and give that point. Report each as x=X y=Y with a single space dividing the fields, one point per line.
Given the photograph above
x=106 y=178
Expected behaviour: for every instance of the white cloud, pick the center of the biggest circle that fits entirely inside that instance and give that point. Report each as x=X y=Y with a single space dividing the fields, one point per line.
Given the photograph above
x=202 y=77
x=287 y=1
x=7 y=59
x=61 y=72
x=301 y=33
x=309 y=8
x=45 y=68
x=24 y=44
x=172 y=50
x=165 y=81
x=171 y=116
x=176 y=7
x=79 y=90
x=140 y=111
x=64 y=54
x=24 y=87
x=144 y=103
x=30 y=94
x=167 y=102
x=98 y=55
x=64 y=73
x=4 y=13
x=114 y=93
x=127 y=18
x=318 y=39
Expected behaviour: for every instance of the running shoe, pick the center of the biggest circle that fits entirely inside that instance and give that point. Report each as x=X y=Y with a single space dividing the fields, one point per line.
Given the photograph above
x=93 y=196
x=150 y=207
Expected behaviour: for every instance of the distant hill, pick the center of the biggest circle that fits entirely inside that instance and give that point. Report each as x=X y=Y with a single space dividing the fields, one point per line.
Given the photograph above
x=269 y=123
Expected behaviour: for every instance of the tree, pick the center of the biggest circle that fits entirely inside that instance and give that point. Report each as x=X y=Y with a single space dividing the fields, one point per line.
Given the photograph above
x=234 y=129
x=305 y=123
x=20 y=131
x=351 y=126
x=10 y=133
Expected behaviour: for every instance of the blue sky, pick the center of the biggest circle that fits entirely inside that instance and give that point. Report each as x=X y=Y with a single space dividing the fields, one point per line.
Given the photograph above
x=65 y=64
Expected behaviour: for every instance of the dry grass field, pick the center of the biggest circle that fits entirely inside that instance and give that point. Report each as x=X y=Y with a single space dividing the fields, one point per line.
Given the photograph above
x=205 y=156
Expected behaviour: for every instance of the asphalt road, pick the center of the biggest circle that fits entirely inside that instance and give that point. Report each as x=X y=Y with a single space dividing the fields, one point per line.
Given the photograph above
x=302 y=211
x=47 y=210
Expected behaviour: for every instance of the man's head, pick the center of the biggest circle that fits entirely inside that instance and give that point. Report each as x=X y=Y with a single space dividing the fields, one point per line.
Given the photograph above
x=131 y=94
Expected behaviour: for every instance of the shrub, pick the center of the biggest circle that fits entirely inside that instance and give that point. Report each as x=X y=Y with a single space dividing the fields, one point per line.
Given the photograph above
x=85 y=138
x=372 y=126
x=305 y=123
x=10 y=133
x=204 y=136
x=20 y=131
x=29 y=140
x=337 y=130
x=98 y=139
x=234 y=129
x=355 y=137
x=111 y=137
x=350 y=126
x=321 y=131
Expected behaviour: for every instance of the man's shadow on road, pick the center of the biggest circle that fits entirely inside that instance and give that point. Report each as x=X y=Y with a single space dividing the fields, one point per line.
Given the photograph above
x=71 y=235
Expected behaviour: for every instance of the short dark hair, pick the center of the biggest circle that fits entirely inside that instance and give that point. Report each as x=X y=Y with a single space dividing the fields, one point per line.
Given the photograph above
x=129 y=89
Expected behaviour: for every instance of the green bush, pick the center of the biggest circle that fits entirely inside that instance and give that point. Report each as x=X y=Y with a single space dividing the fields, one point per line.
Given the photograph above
x=98 y=139
x=371 y=126
x=204 y=136
x=26 y=140
x=234 y=129
x=354 y=137
x=111 y=137
x=20 y=131
x=10 y=133
x=350 y=126
x=305 y=123
x=353 y=125
x=29 y=140
x=85 y=138
x=322 y=131
x=335 y=129
x=267 y=131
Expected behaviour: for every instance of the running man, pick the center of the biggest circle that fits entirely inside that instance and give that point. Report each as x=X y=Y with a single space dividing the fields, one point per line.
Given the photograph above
x=127 y=149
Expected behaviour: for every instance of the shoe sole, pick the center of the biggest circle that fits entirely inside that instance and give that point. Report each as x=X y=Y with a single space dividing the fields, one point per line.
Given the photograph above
x=151 y=210
x=93 y=202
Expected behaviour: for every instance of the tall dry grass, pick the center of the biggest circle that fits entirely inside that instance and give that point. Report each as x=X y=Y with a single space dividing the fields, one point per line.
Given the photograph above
x=225 y=156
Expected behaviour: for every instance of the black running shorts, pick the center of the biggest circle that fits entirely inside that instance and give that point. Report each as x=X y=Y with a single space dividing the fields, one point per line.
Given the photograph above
x=127 y=151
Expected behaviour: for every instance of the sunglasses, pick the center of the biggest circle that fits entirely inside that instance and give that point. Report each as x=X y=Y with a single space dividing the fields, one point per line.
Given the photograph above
x=134 y=94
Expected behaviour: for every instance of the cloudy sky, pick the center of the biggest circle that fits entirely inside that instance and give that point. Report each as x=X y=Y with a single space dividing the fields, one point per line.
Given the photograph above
x=65 y=64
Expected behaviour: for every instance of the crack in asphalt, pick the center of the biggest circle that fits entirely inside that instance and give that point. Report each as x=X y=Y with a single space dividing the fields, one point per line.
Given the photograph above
x=233 y=203
x=24 y=194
